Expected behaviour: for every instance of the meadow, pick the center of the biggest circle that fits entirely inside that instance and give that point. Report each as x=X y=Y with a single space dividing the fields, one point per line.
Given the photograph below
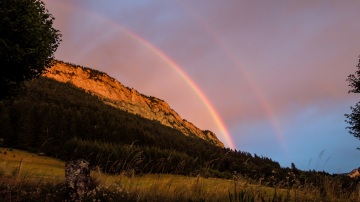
x=27 y=176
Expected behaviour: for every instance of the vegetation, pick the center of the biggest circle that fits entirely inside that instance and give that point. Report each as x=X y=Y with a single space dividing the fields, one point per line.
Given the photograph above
x=28 y=177
x=67 y=123
x=133 y=158
x=27 y=42
x=353 y=119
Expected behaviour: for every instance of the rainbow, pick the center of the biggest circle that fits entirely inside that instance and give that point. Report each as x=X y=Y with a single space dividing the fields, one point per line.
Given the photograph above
x=243 y=71
x=224 y=132
x=219 y=122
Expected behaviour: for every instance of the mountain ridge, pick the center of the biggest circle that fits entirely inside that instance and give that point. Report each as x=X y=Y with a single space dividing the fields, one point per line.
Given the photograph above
x=113 y=93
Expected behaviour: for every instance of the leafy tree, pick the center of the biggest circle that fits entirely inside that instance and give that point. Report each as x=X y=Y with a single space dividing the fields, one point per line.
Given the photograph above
x=27 y=42
x=353 y=119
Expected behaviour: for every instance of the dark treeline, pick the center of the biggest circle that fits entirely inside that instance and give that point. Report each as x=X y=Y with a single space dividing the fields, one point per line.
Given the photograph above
x=68 y=123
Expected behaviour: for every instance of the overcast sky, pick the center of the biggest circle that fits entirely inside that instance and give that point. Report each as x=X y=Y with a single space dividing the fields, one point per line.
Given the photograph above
x=274 y=71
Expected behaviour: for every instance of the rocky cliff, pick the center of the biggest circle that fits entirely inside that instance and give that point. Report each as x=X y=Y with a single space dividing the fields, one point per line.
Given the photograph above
x=114 y=93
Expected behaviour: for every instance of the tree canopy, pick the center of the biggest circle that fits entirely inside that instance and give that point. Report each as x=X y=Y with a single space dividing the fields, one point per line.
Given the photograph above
x=353 y=119
x=27 y=42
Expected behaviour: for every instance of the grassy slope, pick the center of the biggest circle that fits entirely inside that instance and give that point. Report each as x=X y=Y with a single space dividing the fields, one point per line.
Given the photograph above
x=30 y=164
x=152 y=186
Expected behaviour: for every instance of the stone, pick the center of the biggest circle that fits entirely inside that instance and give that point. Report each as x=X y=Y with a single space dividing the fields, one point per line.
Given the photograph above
x=77 y=178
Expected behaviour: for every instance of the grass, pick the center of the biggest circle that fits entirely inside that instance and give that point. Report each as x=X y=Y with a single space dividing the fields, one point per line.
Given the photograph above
x=158 y=186
x=30 y=165
x=28 y=177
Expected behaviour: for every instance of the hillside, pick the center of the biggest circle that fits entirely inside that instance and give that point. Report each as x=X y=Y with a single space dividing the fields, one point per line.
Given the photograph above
x=114 y=93
x=41 y=178
x=68 y=122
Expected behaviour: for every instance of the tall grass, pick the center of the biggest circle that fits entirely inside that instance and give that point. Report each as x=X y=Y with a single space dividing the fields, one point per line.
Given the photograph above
x=28 y=177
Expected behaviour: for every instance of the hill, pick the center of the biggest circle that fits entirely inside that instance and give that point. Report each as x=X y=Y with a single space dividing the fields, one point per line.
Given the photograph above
x=68 y=122
x=113 y=93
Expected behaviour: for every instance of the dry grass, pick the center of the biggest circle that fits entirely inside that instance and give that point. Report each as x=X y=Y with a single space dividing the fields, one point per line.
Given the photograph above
x=42 y=179
x=161 y=185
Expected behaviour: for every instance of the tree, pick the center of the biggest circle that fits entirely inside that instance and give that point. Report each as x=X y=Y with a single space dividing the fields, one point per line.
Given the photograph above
x=353 y=119
x=27 y=42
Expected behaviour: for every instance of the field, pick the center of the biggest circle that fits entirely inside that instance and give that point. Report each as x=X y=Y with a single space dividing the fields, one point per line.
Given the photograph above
x=28 y=177
x=29 y=165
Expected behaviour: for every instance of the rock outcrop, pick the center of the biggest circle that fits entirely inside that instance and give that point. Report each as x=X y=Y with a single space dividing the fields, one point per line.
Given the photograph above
x=354 y=173
x=117 y=95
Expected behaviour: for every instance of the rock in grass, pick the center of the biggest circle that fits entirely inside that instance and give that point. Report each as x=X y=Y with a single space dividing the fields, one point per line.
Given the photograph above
x=77 y=176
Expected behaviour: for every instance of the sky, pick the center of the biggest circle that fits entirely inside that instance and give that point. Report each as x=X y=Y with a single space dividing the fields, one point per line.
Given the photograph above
x=268 y=77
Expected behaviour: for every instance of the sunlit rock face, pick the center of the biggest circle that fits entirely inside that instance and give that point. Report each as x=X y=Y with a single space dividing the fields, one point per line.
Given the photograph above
x=117 y=95
x=354 y=173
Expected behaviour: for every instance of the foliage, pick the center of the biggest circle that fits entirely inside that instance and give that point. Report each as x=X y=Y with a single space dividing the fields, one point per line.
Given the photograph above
x=27 y=42
x=353 y=119
x=40 y=179
x=66 y=122
x=163 y=188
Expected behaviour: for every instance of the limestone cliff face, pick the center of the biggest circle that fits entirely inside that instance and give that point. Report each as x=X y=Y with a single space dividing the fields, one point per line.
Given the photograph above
x=114 y=93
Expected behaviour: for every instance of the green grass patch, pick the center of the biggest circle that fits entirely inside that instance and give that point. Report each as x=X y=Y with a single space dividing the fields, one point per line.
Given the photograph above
x=23 y=163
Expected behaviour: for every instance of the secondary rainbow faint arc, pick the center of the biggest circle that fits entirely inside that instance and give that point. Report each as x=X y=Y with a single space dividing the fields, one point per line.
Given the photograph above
x=220 y=124
x=249 y=78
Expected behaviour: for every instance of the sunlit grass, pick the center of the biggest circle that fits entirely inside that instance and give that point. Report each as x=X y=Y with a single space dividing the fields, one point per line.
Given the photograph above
x=197 y=188
x=159 y=185
x=24 y=175
x=30 y=165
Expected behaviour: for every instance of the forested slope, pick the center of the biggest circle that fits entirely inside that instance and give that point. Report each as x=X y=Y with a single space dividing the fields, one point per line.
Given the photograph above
x=68 y=123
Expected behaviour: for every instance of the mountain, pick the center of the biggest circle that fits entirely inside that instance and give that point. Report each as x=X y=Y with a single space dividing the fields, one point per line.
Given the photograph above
x=69 y=122
x=113 y=93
